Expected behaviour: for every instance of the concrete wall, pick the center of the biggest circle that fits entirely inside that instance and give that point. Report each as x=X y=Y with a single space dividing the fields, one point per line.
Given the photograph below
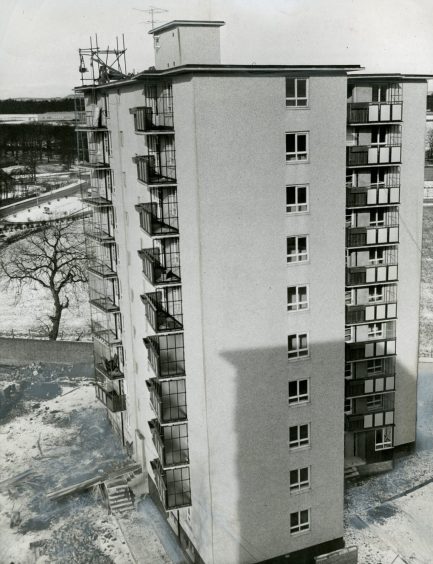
x=232 y=173
x=409 y=259
x=18 y=351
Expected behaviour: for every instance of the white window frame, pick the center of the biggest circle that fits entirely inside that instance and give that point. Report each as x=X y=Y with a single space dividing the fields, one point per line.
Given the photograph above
x=296 y=99
x=298 y=256
x=299 y=352
x=376 y=133
x=298 y=443
x=348 y=406
x=376 y=330
x=298 y=207
x=381 y=441
x=300 y=304
x=303 y=522
x=297 y=156
x=377 y=259
x=376 y=294
x=377 y=218
x=299 y=397
x=375 y=366
x=349 y=333
x=296 y=485
x=374 y=402
x=348 y=371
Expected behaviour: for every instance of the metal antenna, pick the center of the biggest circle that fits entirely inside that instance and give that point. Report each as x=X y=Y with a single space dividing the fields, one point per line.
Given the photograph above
x=152 y=11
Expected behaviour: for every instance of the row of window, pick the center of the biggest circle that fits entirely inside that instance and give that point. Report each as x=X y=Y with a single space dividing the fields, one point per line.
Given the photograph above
x=374 y=331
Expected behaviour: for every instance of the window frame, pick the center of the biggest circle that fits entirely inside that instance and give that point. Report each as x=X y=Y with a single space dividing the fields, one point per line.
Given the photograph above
x=296 y=98
x=297 y=205
x=300 y=443
x=382 y=444
x=300 y=256
x=299 y=398
x=298 y=156
x=302 y=526
x=297 y=354
x=376 y=294
x=376 y=330
x=298 y=304
x=298 y=485
x=374 y=402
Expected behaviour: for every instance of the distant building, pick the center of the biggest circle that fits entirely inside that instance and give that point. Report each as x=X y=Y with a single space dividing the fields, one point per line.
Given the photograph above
x=255 y=277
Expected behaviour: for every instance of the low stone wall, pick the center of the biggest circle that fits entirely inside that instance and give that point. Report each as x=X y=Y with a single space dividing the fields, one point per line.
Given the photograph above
x=343 y=556
x=19 y=351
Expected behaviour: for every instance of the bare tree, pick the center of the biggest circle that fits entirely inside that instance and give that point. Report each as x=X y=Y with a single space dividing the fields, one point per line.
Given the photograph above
x=53 y=257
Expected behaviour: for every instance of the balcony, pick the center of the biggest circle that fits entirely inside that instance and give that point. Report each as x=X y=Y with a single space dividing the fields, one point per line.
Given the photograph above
x=110 y=367
x=365 y=236
x=368 y=386
x=365 y=155
x=147 y=120
x=369 y=350
x=371 y=195
x=91 y=120
x=166 y=355
x=156 y=169
x=171 y=443
x=112 y=400
x=102 y=269
x=371 y=274
x=168 y=399
x=356 y=423
x=163 y=310
x=158 y=220
x=370 y=312
x=374 y=112
x=154 y=269
x=173 y=485
x=97 y=201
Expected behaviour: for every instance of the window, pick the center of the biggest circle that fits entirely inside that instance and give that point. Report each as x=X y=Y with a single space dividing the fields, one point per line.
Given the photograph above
x=299 y=479
x=375 y=366
x=297 y=298
x=376 y=256
x=297 y=92
x=348 y=373
x=296 y=146
x=348 y=406
x=377 y=218
x=299 y=521
x=378 y=177
x=298 y=346
x=297 y=248
x=383 y=438
x=298 y=392
x=374 y=402
x=349 y=297
x=348 y=336
x=296 y=199
x=378 y=135
x=299 y=436
x=375 y=294
x=378 y=93
x=376 y=330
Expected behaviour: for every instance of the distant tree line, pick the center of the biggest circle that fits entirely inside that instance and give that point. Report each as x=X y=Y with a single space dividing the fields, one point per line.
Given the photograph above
x=12 y=106
x=32 y=143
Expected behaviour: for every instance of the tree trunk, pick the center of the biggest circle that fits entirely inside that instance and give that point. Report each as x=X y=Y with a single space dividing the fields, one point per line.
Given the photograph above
x=55 y=318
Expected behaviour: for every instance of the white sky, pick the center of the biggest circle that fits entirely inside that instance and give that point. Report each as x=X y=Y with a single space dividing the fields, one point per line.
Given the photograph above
x=39 y=39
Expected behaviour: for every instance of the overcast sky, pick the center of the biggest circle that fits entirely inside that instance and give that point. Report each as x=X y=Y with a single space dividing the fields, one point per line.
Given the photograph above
x=39 y=39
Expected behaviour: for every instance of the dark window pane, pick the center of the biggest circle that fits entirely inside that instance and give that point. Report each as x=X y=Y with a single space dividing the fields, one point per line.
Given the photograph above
x=303 y=474
x=303 y=387
x=294 y=520
x=301 y=102
x=302 y=195
x=291 y=245
x=293 y=389
x=290 y=87
x=302 y=143
x=302 y=88
x=290 y=195
x=303 y=431
x=302 y=244
x=293 y=433
x=290 y=142
x=291 y=295
x=293 y=476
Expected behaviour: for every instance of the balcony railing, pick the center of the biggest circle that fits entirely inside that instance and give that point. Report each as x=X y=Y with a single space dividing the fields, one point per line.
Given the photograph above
x=158 y=219
x=365 y=422
x=163 y=315
x=168 y=399
x=166 y=355
x=372 y=195
x=150 y=169
x=105 y=303
x=369 y=350
x=111 y=399
x=173 y=485
x=171 y=443
x=364 y=236
x=364 y=155
x=110 y=367
x=91 y=120
x=146 y=120
x=368 y=386
x=371 y=112
x=102 y=269
x=155 y=271
x=370 y=312
x=371 y=274
x=105 y=335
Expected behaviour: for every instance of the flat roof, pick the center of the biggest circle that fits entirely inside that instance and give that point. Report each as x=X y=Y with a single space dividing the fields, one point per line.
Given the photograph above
x=390 y=76
x=186 y=23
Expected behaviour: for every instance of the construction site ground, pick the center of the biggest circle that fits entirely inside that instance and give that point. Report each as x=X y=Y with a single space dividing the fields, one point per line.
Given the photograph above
x=54 y=433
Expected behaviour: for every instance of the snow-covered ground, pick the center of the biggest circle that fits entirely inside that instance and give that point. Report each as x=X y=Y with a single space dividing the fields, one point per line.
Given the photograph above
x=53 y=209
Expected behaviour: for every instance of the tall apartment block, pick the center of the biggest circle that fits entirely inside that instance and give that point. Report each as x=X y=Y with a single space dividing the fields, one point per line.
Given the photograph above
x=255 y=246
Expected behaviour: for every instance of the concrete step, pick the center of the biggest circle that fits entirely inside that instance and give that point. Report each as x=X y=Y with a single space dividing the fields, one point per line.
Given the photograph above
x=351 y=472
x=119 y=497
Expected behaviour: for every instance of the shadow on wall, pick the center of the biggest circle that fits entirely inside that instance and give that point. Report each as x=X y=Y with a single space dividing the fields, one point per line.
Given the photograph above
x=258 y=516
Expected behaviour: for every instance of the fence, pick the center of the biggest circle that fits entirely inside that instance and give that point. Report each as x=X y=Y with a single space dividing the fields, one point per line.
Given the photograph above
x=19 y=351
